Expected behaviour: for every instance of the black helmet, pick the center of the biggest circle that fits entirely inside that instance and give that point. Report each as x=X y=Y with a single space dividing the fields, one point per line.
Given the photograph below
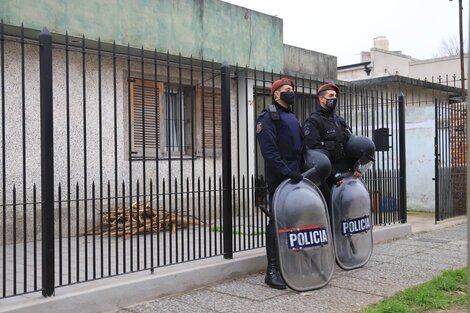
x=362 y=149
x=317 y=166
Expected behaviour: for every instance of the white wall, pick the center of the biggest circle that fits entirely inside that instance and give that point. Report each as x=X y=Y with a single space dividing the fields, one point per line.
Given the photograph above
x=420 y=157
x=386 y=63
x=445 y=67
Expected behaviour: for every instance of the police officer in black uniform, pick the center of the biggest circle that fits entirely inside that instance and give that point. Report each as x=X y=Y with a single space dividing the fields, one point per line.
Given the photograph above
x=280 y=139
x=327 y=131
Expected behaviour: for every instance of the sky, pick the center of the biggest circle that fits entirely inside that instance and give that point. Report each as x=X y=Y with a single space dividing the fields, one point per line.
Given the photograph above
x=344 y=28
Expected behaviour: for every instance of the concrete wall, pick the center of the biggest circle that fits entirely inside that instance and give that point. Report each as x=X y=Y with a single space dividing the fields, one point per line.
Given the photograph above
x=445 y=67
x=302 y=62
x=203 y=28
x=387 y=63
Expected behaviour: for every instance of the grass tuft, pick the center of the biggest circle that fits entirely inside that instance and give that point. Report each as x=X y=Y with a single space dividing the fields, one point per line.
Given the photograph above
x=444 y=291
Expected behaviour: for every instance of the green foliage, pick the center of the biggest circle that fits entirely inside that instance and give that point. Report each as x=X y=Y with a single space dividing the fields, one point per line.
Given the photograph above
x=444 y=291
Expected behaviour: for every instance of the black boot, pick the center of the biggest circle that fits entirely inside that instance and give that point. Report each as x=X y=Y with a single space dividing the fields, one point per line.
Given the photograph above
x=273 y=278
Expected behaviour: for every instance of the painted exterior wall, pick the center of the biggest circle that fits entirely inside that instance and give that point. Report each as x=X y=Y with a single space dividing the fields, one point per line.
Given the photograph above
x=209 y=29
x=242 y=129
x=445 y=67
x=387 y=63
x=311 y=64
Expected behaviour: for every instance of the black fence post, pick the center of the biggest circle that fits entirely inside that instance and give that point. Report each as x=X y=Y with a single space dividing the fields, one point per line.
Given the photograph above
x=436 y=162
x=402 y=146
x=47 y=162
x=226 y=162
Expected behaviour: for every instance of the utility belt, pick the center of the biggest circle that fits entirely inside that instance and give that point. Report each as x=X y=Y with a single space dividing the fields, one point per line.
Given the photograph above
x=335 y=149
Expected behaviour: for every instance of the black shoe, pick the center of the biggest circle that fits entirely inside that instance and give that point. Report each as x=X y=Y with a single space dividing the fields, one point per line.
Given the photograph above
x=274 y=280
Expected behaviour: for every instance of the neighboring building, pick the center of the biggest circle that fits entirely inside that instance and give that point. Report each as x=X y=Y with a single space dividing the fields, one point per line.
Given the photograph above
x=423 y=82
x=380 y=62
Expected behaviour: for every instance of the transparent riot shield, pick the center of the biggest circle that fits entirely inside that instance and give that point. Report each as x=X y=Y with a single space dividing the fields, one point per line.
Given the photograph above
x=305 y=245
x=351 y=222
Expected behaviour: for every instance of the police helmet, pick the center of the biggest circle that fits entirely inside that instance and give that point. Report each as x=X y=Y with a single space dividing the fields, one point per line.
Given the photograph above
x=317 y=166
x=362 y=149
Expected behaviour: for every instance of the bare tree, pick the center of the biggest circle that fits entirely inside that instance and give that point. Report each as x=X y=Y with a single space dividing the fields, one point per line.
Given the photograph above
x=449 y=47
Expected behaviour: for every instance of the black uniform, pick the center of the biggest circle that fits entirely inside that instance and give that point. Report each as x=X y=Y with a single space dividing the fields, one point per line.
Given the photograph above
x=327 y=131
x=280 y=139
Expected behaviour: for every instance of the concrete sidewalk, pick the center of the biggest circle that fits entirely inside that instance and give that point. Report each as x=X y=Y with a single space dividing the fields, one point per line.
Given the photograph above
x=394 y=266
x=404 y=255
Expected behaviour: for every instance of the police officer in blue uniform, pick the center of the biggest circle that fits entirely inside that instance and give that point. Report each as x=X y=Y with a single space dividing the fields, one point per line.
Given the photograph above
x=329 y=132
x=280 y=140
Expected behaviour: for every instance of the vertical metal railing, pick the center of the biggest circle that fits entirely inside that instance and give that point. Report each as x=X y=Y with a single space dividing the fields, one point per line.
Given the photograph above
x=200 y=170
x=226 y=162
x=4 y=211
x=450 y=142
x=402 y=150
x=47 y=163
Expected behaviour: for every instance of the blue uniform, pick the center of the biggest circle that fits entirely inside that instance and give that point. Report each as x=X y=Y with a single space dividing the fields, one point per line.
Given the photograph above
x=280 y=139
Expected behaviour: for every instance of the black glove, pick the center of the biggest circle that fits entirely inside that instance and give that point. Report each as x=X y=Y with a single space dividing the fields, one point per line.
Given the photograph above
x=295 y=176
x=338 y=179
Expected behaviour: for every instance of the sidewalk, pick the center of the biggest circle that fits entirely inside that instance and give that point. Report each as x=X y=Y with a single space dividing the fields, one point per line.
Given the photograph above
x=394 y=266
x=421 y=250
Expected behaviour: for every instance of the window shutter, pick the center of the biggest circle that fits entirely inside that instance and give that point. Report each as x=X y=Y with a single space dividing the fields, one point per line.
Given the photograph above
x=146 y=100
x=212 y=117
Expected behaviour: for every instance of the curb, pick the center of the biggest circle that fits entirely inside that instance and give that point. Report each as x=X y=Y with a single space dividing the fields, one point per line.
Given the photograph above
x=126 y=290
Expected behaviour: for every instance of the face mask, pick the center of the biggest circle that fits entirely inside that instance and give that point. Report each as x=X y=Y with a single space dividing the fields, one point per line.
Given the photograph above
x=288 y=97
x=331 y=103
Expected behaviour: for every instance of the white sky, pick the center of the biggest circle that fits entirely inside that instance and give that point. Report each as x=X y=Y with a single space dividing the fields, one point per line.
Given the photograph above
x=344 y=28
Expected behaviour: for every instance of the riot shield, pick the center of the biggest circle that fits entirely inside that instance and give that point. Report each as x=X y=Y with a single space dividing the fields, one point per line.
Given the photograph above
x=305 y=245
x=351 y=222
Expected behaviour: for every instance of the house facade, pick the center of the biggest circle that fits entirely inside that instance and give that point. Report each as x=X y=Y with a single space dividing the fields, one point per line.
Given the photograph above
x=137 y=97
x=426 y=85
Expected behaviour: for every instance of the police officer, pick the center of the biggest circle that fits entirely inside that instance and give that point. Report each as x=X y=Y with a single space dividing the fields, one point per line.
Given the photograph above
x=280 y=140
x=327 y=131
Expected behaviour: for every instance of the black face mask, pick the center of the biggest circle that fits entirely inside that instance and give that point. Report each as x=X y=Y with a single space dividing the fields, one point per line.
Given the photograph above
x=331 y=103
x=288 y=97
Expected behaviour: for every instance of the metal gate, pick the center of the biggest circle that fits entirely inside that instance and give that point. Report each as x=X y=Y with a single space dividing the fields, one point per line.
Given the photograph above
x=450 y=146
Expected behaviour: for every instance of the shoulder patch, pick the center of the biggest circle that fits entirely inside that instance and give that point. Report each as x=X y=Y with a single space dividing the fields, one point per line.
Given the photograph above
x=259 y=127
x=262 y=113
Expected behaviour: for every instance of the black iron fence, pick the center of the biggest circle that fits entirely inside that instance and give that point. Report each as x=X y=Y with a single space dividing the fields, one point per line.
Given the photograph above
x=116 y=159
x=450 y=152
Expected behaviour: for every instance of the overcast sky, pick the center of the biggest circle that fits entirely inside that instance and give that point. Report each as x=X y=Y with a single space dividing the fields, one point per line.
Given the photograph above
x=344 y=28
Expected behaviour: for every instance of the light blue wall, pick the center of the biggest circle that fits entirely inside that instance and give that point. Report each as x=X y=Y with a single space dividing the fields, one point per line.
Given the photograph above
x=202 y=28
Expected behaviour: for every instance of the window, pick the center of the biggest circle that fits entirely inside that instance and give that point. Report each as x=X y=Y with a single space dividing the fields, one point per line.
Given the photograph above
x=174 y=119
x=170 y=119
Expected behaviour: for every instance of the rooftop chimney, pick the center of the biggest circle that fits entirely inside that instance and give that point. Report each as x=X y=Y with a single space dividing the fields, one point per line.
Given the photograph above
x=381 y=43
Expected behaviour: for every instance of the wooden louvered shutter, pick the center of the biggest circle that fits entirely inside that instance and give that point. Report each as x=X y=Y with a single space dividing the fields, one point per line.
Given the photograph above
x=211 y=114
x=146 y=99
